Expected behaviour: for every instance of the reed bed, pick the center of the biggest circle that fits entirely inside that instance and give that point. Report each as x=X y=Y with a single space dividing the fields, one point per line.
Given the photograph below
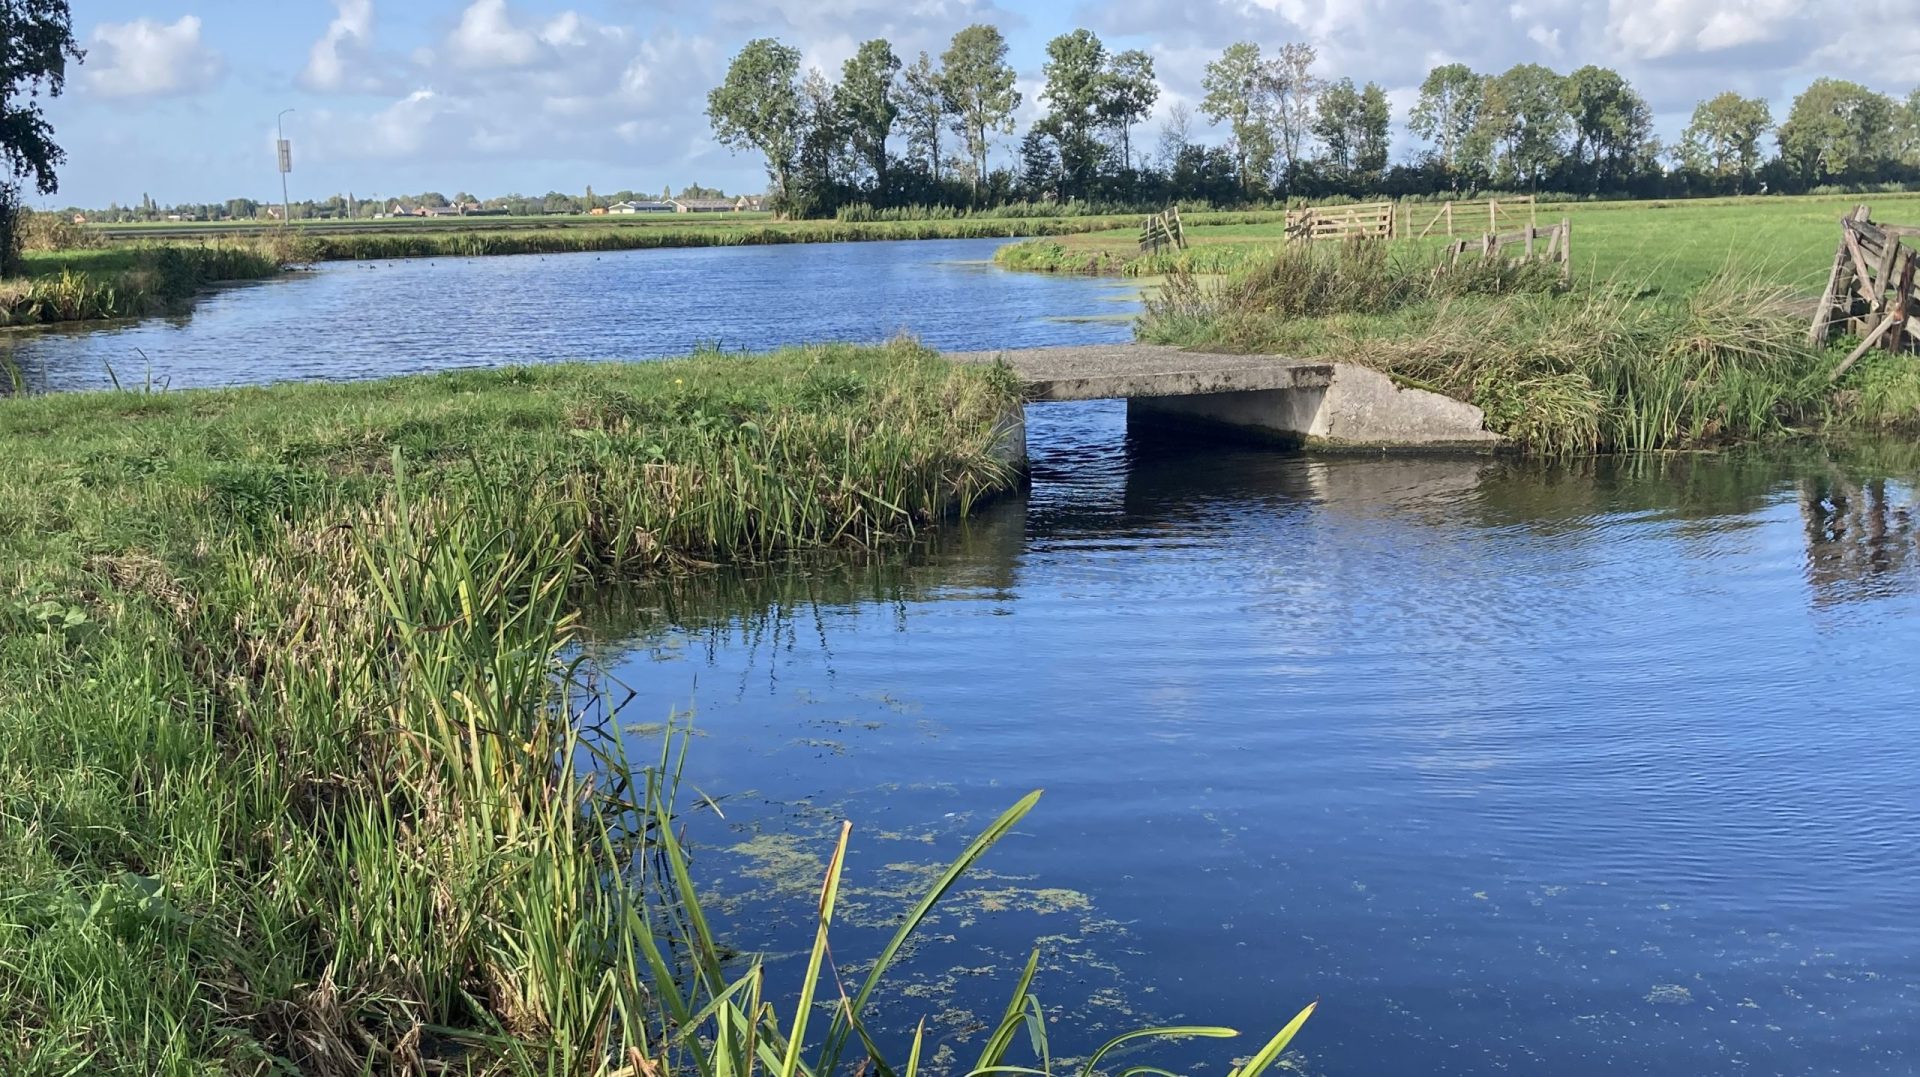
x=1607 y=367
x=131 y=282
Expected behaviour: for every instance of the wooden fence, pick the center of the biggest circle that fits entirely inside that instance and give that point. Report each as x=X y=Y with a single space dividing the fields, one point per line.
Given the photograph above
x=1526 y=243
x=1469 y=216
x=1872 y=289
x=1371 y=219
x=1163 y=230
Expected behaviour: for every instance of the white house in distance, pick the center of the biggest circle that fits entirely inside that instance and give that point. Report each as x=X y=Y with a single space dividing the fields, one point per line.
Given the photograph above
x=648 y=206
x=702 y=205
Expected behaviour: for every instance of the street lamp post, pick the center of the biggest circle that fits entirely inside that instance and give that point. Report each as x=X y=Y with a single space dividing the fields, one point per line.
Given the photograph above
x=285 y=153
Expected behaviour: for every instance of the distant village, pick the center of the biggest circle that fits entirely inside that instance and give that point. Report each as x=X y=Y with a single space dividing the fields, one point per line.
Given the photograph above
x=742 y=204
x=625 y=203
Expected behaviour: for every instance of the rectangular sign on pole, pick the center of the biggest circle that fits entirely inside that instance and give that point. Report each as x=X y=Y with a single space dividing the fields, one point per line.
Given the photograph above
x=286 y=154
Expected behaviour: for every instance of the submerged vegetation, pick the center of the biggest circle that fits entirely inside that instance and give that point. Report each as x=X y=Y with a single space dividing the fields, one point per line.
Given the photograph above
x=1603 y=367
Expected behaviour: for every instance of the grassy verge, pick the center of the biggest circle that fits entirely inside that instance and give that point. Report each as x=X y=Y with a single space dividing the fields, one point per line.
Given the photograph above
x=1601 y=367
x=126 y=281
x=290 y=776
x=643 y=235
x=1670 y=246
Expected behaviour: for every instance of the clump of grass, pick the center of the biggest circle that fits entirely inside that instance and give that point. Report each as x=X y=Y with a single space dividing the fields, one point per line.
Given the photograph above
x=1294 y=281
x=1606 y=373
x=291 y=776
x=94 y=283
x=1603 y=369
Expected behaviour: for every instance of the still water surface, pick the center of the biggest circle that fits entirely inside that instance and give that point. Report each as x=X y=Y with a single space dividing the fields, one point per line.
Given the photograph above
x=1586 y=769
x=347 y=320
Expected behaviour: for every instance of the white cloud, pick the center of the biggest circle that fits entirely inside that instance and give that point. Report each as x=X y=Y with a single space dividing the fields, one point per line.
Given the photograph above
x=333 y=63
x=1651 y=29
x=144 y=58
x=487 y=39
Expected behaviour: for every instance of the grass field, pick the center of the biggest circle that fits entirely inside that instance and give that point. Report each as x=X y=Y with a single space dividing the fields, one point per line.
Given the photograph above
x=1667 y=246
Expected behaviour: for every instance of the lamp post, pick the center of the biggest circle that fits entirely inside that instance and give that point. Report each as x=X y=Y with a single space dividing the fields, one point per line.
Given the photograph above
x=285 y=153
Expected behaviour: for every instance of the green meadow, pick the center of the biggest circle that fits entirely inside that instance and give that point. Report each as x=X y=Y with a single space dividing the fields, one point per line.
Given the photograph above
x=1662 y=245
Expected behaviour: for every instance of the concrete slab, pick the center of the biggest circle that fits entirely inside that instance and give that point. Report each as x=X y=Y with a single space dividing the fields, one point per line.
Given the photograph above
x=1110 y=371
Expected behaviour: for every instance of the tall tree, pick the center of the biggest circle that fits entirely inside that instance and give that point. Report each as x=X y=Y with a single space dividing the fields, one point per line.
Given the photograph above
x=1376 y=131
x=1610 y=124
x=1353 y=126
x=980 y=95
x=1040 y=165
x=1336 y=124
x=1448 y=111
x=759 y=107
x=1837 y=128
x=1723 y=138
x=1524 y=118
x=824 y=158
x=923 y=111
x=1295 y=92
x=1128 y=97
x=1906 y=130
x=867 y=105
x=1237 y=94
x=1076 y=74
x=36 y=42
x=1176 y=134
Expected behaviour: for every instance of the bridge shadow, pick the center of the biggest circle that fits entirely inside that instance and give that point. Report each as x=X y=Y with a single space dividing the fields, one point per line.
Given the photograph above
x=1107 y=489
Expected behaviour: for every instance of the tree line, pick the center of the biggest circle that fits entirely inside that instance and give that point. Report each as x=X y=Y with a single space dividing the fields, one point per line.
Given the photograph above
x=891 y=133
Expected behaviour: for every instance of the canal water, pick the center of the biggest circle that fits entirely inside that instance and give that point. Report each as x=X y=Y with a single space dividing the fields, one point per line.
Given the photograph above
x=1586 y=768
x=345 y=320
x=1598 y=768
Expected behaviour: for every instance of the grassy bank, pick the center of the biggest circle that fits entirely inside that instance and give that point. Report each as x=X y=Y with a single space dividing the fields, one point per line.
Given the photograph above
x=1584 y=366
x=287 y=753
x=1672 y=246
x=127 y=281
x=412 y=242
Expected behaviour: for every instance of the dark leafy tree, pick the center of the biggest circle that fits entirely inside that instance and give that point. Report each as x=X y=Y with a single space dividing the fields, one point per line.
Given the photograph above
x=36 y=43
x=758 y=107
x=867 y=105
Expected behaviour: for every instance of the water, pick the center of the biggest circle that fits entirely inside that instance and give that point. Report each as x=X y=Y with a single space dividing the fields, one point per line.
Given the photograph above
x=1595 y=768
x=1580 y=769
x=351 y=320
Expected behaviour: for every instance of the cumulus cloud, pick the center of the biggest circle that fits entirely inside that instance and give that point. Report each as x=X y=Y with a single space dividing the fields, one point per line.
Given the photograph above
x=1651 y=30
x=335 y=60
x=144 y=58
x=487 y=38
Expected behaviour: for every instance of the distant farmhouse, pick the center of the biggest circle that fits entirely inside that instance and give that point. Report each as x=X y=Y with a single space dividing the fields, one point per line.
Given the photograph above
x=648 y=206
x=703 y=205
x=458 y=209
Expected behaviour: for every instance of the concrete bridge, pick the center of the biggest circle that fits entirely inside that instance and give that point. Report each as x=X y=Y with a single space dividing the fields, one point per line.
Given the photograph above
x=1310 y=402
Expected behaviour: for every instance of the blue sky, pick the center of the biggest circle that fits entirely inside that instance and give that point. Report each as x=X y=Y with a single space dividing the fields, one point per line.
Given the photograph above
x=177 y=98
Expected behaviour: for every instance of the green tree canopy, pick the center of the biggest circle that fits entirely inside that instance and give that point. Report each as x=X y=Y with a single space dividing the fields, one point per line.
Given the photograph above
x=758 y=107
x=1524 y=120
x=1837 y=128
x=868 y=106
x=1237 y=95
x=1611 y=123
x=978 y=85
x=1448 y=110
x=1129 y=93
x=1723 y=138
x=1076 y=74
